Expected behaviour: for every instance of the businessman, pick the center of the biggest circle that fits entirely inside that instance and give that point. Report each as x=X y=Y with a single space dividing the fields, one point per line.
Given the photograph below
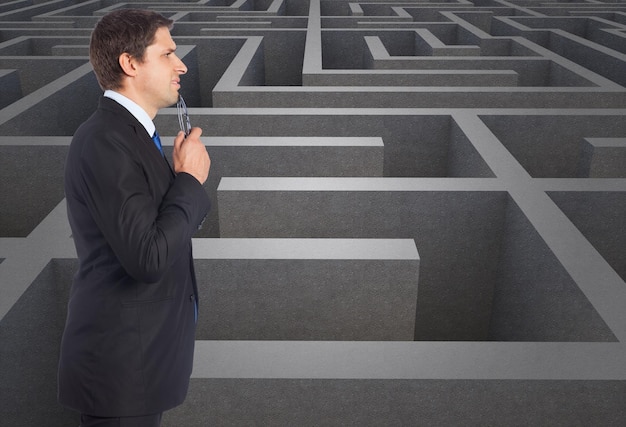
x=127 y=348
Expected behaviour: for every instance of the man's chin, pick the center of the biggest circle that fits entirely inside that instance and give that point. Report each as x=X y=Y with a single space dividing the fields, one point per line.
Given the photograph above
x=172 y=101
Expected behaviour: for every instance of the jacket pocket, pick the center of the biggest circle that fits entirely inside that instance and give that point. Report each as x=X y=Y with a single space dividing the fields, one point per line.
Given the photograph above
x=139 y=303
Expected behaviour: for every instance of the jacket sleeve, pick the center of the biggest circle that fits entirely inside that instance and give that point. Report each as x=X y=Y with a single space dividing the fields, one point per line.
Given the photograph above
x=146 y=228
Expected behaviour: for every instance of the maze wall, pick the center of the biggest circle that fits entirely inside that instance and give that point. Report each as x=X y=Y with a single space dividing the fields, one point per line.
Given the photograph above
x=418 y=208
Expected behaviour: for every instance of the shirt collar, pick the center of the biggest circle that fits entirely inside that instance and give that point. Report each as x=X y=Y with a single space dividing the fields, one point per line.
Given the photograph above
x=134 y=109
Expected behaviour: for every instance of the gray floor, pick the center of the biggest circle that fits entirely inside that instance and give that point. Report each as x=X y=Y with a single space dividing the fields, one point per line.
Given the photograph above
x=419 y=209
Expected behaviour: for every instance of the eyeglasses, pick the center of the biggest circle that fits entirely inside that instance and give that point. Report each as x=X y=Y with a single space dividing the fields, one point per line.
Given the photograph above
x=183 y=116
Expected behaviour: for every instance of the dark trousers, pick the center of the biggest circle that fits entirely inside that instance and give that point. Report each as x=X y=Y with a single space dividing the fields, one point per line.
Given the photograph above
x=143 y=421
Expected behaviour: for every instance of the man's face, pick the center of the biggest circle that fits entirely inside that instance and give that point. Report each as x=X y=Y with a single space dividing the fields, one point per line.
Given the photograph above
x=158 y=76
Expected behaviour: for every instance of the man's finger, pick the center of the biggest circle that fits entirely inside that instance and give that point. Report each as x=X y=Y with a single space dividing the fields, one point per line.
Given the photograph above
x=195 y=132
x=180 y=137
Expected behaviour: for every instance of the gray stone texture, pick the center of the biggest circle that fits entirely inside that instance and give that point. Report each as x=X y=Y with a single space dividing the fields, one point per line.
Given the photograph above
x=418 y=208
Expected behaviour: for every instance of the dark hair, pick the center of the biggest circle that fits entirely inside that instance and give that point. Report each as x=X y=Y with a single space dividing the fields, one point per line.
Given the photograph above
x=122 y=31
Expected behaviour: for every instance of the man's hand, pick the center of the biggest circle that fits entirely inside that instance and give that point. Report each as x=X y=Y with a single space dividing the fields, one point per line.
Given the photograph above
x=190 y=155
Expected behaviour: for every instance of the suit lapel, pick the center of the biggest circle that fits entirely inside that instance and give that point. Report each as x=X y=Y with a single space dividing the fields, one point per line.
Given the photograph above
x=151 y=151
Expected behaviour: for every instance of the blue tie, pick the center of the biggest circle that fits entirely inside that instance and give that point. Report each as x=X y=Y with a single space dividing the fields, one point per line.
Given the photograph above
x=157 y=142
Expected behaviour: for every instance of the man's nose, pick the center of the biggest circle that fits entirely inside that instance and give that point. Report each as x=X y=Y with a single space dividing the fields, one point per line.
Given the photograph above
x=181 y=67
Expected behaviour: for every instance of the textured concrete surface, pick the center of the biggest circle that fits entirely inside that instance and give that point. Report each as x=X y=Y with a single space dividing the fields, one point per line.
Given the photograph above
x=419 y=208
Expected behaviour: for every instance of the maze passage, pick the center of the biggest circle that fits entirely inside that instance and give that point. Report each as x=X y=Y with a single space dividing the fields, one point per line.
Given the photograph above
x=418 y=208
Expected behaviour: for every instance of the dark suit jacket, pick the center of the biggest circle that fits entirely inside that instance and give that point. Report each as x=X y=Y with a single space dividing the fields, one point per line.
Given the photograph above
x=128 y=343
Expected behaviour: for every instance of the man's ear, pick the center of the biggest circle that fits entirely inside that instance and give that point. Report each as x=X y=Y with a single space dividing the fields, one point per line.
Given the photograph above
x=127 y=63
